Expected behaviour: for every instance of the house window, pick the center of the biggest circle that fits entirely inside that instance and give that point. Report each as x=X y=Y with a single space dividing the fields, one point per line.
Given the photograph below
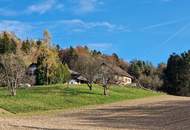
x=129 y=80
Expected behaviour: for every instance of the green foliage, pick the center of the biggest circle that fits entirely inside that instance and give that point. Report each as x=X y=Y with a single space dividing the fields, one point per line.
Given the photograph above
x=177 y=74
x=58 y=47
x=62 y=74
x=39 y=43
x=96 y=53
x=146 y=74
x=7 y=45
x=40 y=71
x=40 y=77
x=26 y=46
x=53 y=97
x=138 y=68
x=135 y=70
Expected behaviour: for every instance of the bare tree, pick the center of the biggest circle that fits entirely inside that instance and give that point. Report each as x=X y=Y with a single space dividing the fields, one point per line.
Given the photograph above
x=12 y=71
x=107 y=76
x=88 y=68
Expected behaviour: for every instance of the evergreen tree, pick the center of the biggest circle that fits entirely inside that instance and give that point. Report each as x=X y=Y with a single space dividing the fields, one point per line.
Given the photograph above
x=177 y=74
x=7 y=45
x=40 y=71
x=26 y=46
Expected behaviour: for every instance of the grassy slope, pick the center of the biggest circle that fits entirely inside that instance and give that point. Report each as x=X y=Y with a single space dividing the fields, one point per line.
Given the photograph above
x=62 y=97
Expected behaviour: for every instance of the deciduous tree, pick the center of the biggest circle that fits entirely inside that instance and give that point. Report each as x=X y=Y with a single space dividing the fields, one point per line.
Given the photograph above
x=12 y=71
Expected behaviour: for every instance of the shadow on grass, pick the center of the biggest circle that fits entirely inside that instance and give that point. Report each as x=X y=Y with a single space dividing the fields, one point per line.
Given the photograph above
x=74 y=92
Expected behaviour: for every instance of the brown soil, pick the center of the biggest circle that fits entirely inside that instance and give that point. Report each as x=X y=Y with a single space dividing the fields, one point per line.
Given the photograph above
x=154 y=113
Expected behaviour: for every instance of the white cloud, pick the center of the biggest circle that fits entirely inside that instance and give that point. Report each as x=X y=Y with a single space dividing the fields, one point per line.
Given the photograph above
x=41 y=8
x=78 y=6
x=25 y=29
x=83 y=25
x=19 y=28
x=86 y=6
x=45 y=6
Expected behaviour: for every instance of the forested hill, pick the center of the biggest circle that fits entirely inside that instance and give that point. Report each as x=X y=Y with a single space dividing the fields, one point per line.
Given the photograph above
x=11 y=43
x=82 y=54
x=53 y=63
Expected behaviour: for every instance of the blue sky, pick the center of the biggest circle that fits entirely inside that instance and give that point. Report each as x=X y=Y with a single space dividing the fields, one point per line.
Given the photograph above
x=134 y=29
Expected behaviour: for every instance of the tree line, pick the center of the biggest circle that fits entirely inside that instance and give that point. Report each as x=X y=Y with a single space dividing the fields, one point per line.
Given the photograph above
x=177 y=74
x=53 y=64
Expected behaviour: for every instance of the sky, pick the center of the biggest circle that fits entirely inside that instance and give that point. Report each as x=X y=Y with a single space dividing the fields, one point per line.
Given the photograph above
x=149 y=30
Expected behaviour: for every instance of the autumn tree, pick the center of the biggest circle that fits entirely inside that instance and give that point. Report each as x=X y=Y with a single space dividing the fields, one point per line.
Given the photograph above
x=48 y=63
x=68 y=56
x=47 y=38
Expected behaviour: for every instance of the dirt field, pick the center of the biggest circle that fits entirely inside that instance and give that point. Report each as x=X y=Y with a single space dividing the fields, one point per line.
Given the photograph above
x=155 y=113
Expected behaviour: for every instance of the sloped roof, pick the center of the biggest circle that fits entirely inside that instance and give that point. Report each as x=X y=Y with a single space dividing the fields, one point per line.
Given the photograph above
x=78 y=75
x=82 y=78
x=73 y=72
x=117 y=70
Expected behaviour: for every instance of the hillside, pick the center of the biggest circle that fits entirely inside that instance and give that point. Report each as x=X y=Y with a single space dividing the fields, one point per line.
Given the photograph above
x=54 y=97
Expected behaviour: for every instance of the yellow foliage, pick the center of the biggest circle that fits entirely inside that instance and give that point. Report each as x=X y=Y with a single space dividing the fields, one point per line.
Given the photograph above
x=51 y=61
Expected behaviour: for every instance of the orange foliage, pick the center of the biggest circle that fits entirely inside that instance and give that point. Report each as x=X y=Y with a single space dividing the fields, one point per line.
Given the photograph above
x=81 y=51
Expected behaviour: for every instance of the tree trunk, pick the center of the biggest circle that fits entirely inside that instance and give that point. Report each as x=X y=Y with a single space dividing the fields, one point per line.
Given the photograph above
x=47 y=81
x=13 y=91
x=13 y=88
x=105 y=90
x=90 y=86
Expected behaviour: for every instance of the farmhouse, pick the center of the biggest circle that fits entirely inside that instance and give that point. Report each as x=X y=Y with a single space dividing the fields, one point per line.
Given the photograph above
x=77 y=78
x=121 y=77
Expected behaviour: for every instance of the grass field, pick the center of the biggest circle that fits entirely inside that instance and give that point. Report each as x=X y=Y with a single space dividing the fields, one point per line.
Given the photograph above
x=55 y=97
